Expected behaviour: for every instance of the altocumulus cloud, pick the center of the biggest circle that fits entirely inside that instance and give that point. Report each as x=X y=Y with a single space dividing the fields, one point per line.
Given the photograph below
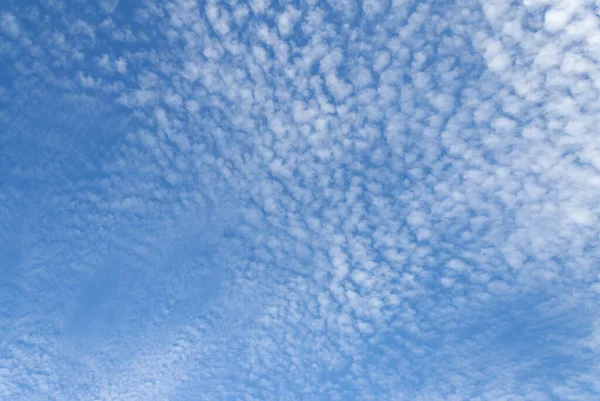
x=320 y=200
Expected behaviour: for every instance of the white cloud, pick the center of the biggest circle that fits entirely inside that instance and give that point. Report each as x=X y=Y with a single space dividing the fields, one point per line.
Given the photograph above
x=557 y=17
x=121 y=65
x=9 y=25
x=259 y=6
x=109 y=6
x=287 y=20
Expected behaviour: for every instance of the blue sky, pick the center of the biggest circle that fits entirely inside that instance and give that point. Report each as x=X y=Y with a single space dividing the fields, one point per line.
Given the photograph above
x=320 y=200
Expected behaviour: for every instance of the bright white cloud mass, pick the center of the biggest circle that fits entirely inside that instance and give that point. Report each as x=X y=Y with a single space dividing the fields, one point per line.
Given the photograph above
x=320 y=200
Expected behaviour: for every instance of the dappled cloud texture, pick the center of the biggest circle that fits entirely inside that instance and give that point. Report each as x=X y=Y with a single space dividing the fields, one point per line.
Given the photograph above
x=319 y=200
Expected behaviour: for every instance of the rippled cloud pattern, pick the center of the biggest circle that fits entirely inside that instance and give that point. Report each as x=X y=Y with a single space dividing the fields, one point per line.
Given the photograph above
x=378 y=200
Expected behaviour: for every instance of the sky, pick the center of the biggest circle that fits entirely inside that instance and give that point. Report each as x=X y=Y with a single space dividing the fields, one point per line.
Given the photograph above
x=376 y=200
